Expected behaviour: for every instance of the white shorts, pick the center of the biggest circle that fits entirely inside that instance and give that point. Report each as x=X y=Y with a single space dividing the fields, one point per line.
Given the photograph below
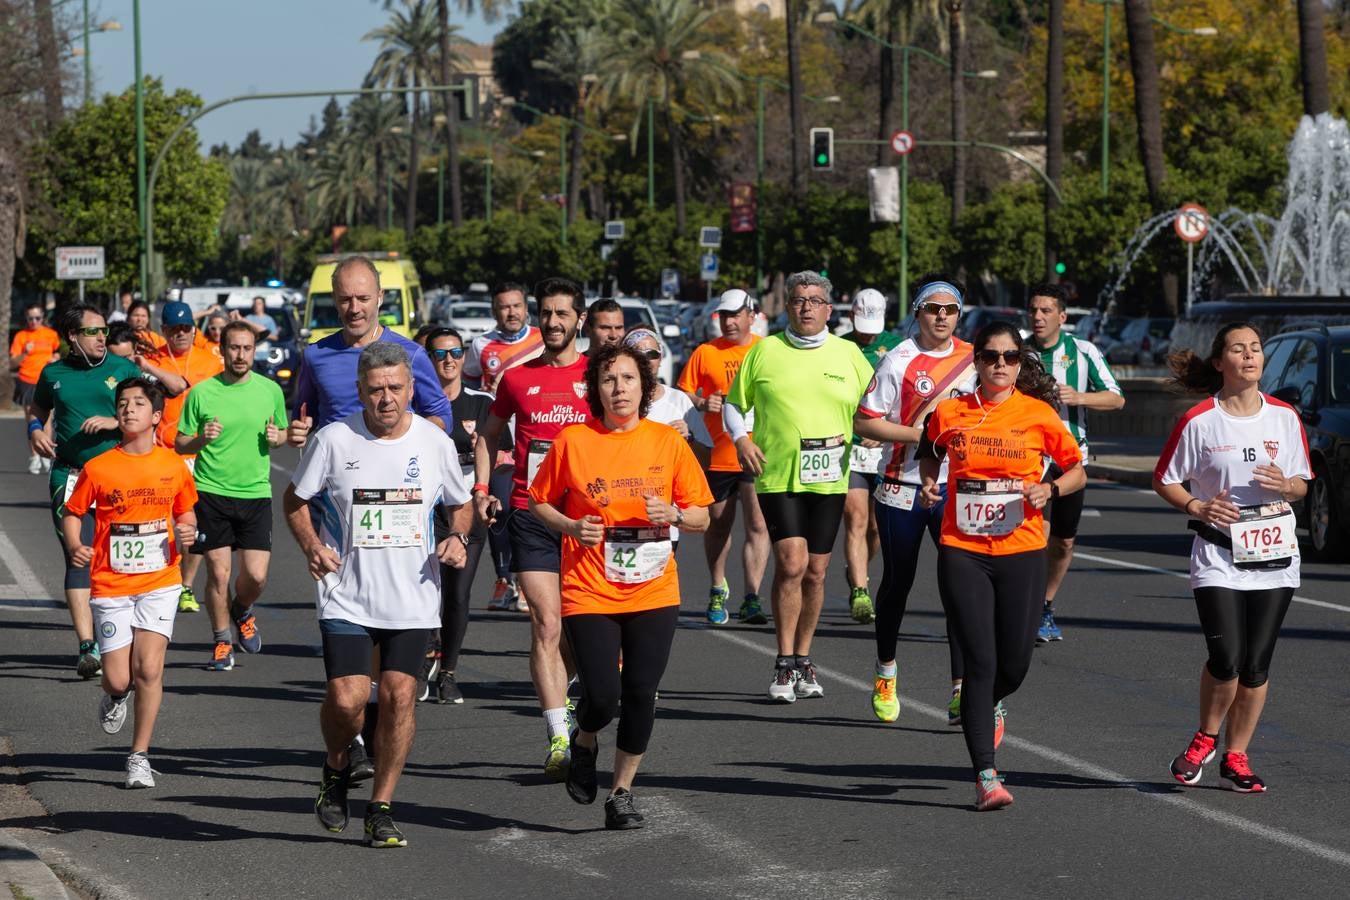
x=115 y=617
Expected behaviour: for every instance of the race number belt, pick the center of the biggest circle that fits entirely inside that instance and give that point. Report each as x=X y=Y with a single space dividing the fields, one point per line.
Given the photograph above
x=895 y=494
x=865 y=460
x=536 y=458
x=821 y=460
x=636 y=554
x=1263 y=534
x=988 y=507
x=137 y=547
x=387 y=517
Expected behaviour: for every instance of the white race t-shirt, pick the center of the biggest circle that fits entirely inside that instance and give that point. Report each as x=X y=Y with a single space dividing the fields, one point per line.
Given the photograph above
x=1214 y=451
x=672 y=406
x=384 y=493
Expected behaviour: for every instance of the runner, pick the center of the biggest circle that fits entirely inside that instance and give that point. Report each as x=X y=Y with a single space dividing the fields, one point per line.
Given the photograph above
x=803 y=386
x=378 y=476
x=231 y=422
x=991 y=562
x=670 y=406
x=212 y=327
x=32 y=347
x=544 y=396
x=138 y=317
x=121 y=340
x=141 y=495
x=76 y=392
x=1245 y=458
x=190 y=365
x=1086 y=383
x=707 y=379
x=604 y=324
x=614 y=488
x=861 y=540
x=932 y=366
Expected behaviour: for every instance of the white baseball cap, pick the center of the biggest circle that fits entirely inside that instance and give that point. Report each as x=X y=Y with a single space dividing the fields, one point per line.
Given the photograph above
x=869 y=311
x=733 y=301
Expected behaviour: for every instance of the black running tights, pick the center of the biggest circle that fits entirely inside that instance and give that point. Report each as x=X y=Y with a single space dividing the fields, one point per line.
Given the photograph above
x=596 y=639
x=994 y=605
x=455 y=587
x=1240 y=630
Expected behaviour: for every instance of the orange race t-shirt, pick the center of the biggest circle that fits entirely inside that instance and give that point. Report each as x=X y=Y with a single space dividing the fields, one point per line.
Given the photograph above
x=135 y=500
x=196 y=366
x=711 y=369
x=41 y=344
x=986 y=444
x=591 y=470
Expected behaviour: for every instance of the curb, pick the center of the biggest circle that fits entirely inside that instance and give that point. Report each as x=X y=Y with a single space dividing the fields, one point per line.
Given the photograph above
x=25 y=875
x=1121 y=475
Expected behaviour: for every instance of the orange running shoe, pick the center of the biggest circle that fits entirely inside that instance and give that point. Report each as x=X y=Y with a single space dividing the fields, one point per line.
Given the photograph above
x=990 y=792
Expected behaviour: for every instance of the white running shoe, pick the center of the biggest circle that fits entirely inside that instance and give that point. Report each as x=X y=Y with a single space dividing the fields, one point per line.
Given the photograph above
x=112 y=713
x=35 y=465
x=807 y=685
x=139 y=773
x=783 y=687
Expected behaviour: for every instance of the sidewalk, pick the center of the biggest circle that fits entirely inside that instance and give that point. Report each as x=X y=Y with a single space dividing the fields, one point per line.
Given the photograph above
x=1124 y=460
x=22 y=874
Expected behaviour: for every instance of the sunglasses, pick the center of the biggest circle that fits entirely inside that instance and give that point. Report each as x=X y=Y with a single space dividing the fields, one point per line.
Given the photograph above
x=442 y=352
x=950 y=309
x=93 y=330
x=990 y=357
x=648 y=354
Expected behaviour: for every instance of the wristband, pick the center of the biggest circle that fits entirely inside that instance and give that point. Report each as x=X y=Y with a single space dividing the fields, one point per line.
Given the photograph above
x=1187 y=508
x=34 y=425
x=679 y=516
x=480 y=487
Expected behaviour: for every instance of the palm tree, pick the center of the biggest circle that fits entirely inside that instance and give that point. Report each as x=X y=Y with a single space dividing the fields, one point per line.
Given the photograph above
x=344 y=183
x=658 y=54
x=575 y=57
x=956 y=29
x=792 y=17
x=371 y=137
x=50 y=58
x=248 y=184
x=1054 y=120
x=1312 y=55
x=1148 y=113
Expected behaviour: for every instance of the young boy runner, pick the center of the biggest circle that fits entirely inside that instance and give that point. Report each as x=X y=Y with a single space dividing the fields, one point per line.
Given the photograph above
x=142 y=495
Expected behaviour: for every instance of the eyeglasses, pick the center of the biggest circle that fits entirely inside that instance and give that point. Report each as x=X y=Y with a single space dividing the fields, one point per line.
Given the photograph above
x=442 y=352
x=93 y=330
x=648 y=354
x=808 y=302
x=949 y=309
x=1009 y=357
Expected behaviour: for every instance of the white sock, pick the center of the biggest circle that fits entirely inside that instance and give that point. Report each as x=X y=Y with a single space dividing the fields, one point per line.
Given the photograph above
x=359 y=740
x=886 y=670
x=556 y=719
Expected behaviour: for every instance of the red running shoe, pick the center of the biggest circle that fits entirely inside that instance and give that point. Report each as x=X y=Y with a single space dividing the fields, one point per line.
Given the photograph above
x=1237 y=774
x=990 y=793
x=1189 y=766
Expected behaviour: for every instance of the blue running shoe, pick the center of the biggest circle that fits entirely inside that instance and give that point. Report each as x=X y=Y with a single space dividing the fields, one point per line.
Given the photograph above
x=1048 y=631
x=246 y=626
x=717 y=604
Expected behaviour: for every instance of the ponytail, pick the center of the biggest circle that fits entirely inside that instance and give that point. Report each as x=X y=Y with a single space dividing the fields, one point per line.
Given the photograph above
x=1195 y=375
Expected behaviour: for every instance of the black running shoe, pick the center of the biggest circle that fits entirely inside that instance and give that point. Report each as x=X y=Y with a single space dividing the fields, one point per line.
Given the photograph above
x=581 y=775
x=331 y=806
x=447 y=690
x=620 y=813
x=380 y=828
x=359 y=766
x=431 y=667
x=1235 y=771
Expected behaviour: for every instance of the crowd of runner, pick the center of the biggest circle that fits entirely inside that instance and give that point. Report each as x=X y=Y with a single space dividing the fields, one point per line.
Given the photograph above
x=579 y=472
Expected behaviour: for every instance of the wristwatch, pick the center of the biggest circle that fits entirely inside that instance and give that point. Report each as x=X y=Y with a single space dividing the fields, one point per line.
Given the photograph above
x=463 y=538
x=679 y=516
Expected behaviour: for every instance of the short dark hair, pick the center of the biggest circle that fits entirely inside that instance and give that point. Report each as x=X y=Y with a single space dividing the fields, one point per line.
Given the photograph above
x=121 y=333
x=138 y=304
x=602 y=359
x=420 y=339
x=441 y=331
x=1056 y=292
x=237 y=325
x=557 y=285
x=603 y=305
x=72 y=320
x=154 y=391
x=506 y=287
x=34 y=304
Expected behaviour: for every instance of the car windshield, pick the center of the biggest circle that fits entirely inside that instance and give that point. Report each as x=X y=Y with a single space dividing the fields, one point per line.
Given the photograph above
x=638 y=316
x=1340 y=371
x=323 y=314
x=471 y=310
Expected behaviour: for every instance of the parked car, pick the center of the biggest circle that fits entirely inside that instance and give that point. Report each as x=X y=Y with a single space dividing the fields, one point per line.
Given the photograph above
x=277 y=359
x=1073 y=315
x=973 y=318
x=470 y=318
x=1143 y=342
x=1310 y=370
x=637 y=312
x=1106 y=332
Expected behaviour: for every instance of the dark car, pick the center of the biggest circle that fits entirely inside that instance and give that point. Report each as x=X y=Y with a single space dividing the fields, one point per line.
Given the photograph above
x=278 y=359
x=1310 y=370
x=973 y=318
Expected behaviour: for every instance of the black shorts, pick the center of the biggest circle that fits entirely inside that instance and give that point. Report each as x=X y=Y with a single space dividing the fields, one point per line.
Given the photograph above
x=231 y=522
x=1064 y=513
x=347 y=648
x=815 y=517
x=723 y=484
x=23 y=393
x=534 y=547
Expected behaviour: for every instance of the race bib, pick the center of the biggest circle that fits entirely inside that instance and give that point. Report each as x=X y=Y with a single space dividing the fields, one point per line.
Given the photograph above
x=137 y=547
x=821 y=459
x=1264 y=533
x=864 y=460
x=988 y=507
x=537 y=451
x=634 y=555
x=387 y=517
x=896 y=495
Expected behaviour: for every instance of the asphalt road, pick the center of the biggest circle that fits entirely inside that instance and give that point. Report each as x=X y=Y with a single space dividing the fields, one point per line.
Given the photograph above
x=742 y=798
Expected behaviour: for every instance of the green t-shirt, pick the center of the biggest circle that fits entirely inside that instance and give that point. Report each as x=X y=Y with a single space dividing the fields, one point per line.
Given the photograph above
x=74 y=392
x=799 y=397
x=881 y=345
x=238 y=463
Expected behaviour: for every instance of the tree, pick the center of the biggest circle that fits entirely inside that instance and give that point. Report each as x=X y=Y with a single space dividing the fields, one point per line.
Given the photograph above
x=1313 y=57
x=1147 y=96
x=957 y=60
x=1054 y=120
x=575 y=56
x=50 y=55
x=792 y=21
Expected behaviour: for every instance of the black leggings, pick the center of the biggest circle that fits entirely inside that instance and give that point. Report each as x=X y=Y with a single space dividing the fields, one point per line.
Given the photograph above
x=596 y=639
x=994 y=605
x=455 y=587
x=1240 y=630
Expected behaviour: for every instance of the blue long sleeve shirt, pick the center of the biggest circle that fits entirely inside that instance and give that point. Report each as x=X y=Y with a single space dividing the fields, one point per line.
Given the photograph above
x=327 y=382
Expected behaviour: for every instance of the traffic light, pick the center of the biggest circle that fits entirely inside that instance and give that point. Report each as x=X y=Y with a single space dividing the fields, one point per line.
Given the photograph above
x=822 y=148
x=1060 y=268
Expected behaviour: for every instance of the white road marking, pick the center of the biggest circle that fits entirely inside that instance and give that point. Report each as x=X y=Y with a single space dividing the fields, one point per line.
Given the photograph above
x=1091 y=770
x=27 y=592
x=1092 y=513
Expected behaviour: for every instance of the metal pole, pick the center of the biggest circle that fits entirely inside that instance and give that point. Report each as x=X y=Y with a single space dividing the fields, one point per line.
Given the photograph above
x=440 y=190
x=1106 y=100
x=562 y=181
x=88 y=65
x=651 y=156
x=1190 y=275
x=759 y=187
x=904 y=184
x=389 y=198
x=81 y=290
x=140 y=152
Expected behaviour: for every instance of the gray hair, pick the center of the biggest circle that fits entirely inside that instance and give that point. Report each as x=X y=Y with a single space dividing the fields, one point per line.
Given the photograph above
x=381 y=355
x=357 y=259
x=808 y=279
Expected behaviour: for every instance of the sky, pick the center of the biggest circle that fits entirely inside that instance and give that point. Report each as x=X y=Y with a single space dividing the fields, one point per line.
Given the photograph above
x=224 y=48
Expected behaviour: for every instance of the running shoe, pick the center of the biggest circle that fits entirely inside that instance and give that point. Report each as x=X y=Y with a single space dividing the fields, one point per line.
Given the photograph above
x=1048 y=631
x=447 y=691
x=1000 y=721
x=431 y=667
x=620 y=813
x=503 y=595
x=1190 y=765
x=380 y=828
x=90 y=662
x=784 y=686
x=954 y=707
x=717 y=604
x=139 y=773
x=807 y=686
x=752 y=613
x=246 y=627
x=187 y=601
x=581 y=774
x=359 y=765
x=35 y=465
x=222 y=657
x=860 y=606
x=112 y=713
x=331 y=805
x=522 y=605
x=571 y=707
x=46 y=464
x=1237 y=774
x=990 y=792
x=885 y=705
x=559 y=758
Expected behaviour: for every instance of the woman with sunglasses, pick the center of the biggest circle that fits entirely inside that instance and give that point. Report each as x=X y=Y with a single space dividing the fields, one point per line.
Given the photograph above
x=1234 y=464
x=991 y=558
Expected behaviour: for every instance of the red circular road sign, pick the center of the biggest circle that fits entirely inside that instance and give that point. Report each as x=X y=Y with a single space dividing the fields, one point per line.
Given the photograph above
x=902 y=142
x=1191 y=223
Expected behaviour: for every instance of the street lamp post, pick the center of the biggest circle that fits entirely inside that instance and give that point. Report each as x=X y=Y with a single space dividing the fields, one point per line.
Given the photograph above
x=142 y=197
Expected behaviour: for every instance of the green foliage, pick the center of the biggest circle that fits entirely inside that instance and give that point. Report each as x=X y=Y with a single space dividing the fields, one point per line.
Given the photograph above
x=513 y=245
